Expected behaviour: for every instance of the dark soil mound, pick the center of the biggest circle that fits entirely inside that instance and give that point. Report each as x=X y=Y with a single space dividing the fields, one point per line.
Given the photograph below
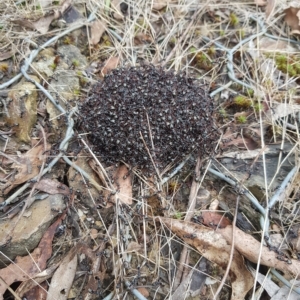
x=138 y=106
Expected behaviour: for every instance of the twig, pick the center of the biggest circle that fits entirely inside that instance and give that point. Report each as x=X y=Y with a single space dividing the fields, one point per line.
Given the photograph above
x=192 y=200
x=231 y=249
x=135 y=292
x=230 y=52
x=278 y=196
x=246 y=192
x=147 y=149
x=35 y=52
x=10 y=158
x=176 y=170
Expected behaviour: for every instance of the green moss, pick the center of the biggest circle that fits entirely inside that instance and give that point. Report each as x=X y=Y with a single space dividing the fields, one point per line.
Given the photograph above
x=250 y=92
x=233 y=19
x=75 y=62
x=193 y=50
x=178 y=215
x=173 y=40
x=241 y=119
x=83 y=80
x=211 y=51
x=242 y=33
x=242 y=101
x=4 y=67
x=291 y=70
x=223 y=112
x=202 y=57
x=222 y=33
x=257 y=107
x=281 y=58
x=53 y=66
x=282 y=67
x=67 y=40
x=76 y=92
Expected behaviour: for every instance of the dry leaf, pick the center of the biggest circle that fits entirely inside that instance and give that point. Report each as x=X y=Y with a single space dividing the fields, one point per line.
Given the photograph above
x=270 y=8
x=97 y=30
x=134 y=247
x=292 y=18
x=159 y=4
x=260 y=2
x=142 y=38
x=75 y=180
x=62 y=279
x=42 y=24
x=22 y=110
x=215 y=248
x=52 y=187
x=6 y=55
x=214 y=220
x=31 y=264
x=27 y=168
x=116 y=8
x=123 y=185
x=110 y=64
x=143 y=291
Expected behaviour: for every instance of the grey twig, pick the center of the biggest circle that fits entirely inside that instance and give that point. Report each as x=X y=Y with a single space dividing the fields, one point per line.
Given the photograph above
x=245 y=191
x=278 y=195
x=135 y=292
x=176 y=170
x=230 y=52
x=35 y=52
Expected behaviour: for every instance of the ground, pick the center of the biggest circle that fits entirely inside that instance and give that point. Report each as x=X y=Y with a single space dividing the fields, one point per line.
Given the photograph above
x=218 y=218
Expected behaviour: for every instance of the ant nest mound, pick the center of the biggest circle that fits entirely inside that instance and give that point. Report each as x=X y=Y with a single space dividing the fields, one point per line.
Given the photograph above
x=142 y=115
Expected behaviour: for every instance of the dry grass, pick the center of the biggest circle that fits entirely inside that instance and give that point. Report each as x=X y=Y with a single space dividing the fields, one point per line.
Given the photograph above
x=173 y=37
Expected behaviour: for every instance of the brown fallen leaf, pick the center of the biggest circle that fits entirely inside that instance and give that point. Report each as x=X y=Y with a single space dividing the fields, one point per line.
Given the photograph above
x=27 y=167
x=123 y=185
x=36 y=285
x=76 y=181
x=134 y=247
x=6 y=55
x=116 y=9
x=214 y=220
x=292 y=18
x=22 y=110
x=261 y=2
x=25 y=268
x=52 y=187
x=241 y=143
x=213 y=246
x=270 y=8
x=43 y=23
x=110 y=64
x=142 y=38
x=63 y=277
x=97 y=29
x=159 y=4
x=144 y=291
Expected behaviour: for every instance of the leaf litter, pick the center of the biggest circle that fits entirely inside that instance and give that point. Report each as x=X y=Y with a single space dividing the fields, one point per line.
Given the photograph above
x=110 y=208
